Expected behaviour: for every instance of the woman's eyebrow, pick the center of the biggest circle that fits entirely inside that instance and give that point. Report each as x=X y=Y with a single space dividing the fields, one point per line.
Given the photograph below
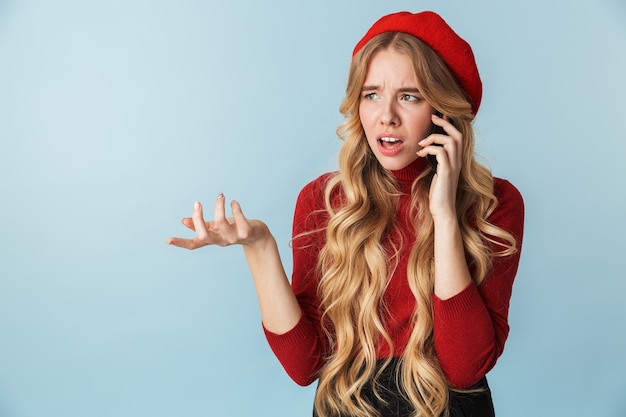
x=403 y=89
x=410 y=90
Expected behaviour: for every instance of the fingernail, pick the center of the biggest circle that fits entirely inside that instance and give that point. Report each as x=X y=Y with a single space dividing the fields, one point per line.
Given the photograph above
x=220 y=195
x=196 y=205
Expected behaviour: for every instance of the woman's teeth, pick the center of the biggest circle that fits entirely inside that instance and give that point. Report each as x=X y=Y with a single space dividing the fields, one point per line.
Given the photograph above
x=389 y=140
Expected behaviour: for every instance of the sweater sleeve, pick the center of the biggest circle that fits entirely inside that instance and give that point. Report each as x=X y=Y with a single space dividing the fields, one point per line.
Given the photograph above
x=301 y=350
x=470 y=329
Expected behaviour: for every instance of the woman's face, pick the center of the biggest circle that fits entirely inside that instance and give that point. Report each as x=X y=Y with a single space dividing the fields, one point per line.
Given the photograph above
x=393 y=112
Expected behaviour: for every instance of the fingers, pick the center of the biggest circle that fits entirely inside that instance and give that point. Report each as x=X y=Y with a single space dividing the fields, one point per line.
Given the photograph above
x=220 y=210
x=451 y=132
x=436 y=150
x=185 y=243
x=244 y=230
x=237 y=212
x=222 y=231
x=198 y=222
x=446 y=147
x=195 y=222
x=188 y=223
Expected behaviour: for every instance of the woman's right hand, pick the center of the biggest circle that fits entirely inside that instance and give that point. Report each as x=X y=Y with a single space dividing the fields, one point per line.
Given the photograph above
x=221 y=231
x=280 y=310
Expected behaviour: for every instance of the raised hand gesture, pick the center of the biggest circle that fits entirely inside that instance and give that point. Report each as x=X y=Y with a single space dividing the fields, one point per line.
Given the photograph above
x=221 y=231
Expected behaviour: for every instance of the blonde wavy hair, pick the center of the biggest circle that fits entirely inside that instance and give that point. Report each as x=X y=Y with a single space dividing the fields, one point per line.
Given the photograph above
x=354 y=266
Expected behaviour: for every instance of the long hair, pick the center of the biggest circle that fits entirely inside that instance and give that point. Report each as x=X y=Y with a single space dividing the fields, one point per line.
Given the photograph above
x=354 y=265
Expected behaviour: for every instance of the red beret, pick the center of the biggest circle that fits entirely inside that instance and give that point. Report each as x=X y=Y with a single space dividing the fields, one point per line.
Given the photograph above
x=431 y=29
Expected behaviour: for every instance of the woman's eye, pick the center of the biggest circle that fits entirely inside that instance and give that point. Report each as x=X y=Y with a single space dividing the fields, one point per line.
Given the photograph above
x=409 y=97
x=370 y=96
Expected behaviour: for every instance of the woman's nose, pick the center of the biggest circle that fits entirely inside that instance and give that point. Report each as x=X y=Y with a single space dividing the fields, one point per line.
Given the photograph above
x=389 y=116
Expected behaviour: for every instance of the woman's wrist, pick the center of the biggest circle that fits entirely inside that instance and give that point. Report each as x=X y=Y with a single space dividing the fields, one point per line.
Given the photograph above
x=445 y=220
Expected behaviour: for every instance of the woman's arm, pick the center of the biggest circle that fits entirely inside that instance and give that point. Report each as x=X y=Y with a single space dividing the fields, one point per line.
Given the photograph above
x=451 y=271
x=471 y=327
x=280 y=311
x=289 y=312
x=302 y=351
x=470 y=322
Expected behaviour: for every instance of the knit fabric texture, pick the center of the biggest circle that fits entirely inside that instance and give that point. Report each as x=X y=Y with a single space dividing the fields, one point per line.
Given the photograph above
x=470 y=329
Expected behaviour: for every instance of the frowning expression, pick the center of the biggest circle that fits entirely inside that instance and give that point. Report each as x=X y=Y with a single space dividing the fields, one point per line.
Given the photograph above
x=394 y=114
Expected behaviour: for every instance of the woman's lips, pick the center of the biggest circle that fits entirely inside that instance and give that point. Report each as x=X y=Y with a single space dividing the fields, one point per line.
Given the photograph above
x=389 y=146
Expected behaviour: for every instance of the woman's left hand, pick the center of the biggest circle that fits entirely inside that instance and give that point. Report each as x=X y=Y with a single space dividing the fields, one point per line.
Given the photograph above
x=449 y=160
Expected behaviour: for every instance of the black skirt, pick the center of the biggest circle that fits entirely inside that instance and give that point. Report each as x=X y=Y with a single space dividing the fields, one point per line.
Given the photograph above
x=478 y=404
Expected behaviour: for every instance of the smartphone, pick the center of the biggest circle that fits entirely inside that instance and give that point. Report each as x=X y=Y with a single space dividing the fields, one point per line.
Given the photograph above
x=432 y=159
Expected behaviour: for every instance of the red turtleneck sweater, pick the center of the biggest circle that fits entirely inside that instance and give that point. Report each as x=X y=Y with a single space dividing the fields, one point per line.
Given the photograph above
x=470 y=329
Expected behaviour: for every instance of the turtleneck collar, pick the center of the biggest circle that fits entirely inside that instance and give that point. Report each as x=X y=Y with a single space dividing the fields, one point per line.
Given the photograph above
x=407 y=175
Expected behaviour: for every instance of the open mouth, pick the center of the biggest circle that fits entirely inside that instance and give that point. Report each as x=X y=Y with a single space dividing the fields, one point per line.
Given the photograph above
x=390 y=146
x=389 y=143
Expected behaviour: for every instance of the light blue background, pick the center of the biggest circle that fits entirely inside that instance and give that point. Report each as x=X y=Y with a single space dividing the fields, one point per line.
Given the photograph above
x=116 y=116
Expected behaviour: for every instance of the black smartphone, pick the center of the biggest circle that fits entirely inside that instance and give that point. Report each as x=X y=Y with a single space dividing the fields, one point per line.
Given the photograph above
x=432 y=159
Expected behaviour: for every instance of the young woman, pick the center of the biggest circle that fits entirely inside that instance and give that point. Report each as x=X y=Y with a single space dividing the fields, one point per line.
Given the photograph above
x=403 y=268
